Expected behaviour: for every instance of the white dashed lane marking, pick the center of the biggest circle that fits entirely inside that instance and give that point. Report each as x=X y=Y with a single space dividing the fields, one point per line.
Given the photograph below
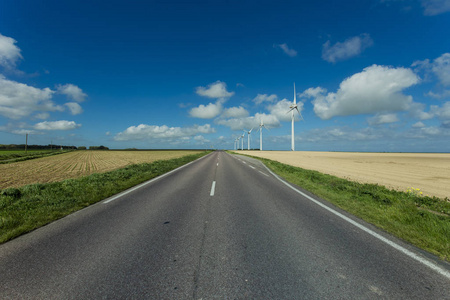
x=213 y=188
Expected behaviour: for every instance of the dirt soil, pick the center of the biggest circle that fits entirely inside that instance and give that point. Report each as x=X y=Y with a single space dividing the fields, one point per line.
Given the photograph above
x=76 y=164
x=427 y=171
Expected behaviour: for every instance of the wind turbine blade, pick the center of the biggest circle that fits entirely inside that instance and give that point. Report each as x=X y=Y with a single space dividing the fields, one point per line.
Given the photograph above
x=295 y=96
x=300 y=115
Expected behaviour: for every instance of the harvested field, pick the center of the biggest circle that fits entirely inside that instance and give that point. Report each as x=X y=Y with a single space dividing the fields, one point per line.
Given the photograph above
x=427 y=171
x=76 y=164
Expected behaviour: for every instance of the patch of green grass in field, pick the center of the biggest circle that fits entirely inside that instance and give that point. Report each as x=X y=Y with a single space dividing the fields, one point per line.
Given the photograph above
x=10 y=156
x=422 y=221
x=32 y=206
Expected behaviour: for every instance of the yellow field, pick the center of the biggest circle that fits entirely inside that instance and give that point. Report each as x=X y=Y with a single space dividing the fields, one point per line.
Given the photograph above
x=427 y=171
x=76 y=164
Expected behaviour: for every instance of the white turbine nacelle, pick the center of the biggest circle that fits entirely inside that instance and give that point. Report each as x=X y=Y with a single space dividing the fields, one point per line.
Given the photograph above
x=292 y=108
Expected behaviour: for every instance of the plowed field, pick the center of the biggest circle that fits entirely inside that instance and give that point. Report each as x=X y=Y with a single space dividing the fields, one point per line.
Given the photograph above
x=76 y=164
x=427 y=171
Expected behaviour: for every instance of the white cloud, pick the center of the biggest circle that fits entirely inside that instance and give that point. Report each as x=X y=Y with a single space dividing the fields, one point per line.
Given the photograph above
x=270 y=121
x=442 y=112
x=25 y=131
x=333 y=134
x=145 y=132
x=281 y=109
x=235 y=112
x=200 y=139
x=377 y=89
x=380 y=119
x=441 y=67
x=18 y=100
x=417 y=111
x=443 y=95
x=209 y=111
x=435 y=7
x=347 y=49
x=418 y=125
x=288 y=51
x=431 y=130
x=313 y=92
x=57 y=125
x=72 y=92
x=9 y=53
x=216 y=90
x=260 y=98
x=42 y=116
x=19 y=128
x=184 y=105
x=75 y=108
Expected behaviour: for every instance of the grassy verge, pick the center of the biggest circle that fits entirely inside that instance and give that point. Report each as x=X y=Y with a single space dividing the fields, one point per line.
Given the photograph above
x=8 y=156
x=419 y=220
x=29 y=207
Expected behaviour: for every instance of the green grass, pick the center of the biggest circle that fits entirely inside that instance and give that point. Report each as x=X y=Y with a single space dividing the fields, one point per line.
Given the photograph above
x=10 y=156
x=32 y=206
x=421 y=221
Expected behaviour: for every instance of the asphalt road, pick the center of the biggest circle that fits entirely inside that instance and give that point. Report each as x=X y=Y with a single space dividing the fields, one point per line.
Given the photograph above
x=222 y=227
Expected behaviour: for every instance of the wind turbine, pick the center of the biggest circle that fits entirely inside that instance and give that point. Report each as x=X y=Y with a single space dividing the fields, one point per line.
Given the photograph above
x=292 y=108
x=248 y=137
x=242 y=136
x=260 y=134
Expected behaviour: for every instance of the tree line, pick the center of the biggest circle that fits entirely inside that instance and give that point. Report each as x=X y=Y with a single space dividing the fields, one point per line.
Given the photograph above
x=49 y=147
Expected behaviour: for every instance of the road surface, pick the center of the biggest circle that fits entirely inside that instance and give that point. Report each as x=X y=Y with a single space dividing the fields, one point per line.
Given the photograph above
x=222 y=227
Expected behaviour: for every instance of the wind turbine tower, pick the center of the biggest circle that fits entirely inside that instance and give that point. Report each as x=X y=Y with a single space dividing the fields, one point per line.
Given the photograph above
x=292 y=108
x=260 y=134
x=248 y=137
x=242 y=136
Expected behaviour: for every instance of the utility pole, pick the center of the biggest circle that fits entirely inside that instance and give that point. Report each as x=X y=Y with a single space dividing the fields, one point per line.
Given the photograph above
x=26 y=143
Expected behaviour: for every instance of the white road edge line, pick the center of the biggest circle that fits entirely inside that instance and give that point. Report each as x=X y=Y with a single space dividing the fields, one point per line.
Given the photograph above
x=213 y=188
x=148 y=182
x=405 y=251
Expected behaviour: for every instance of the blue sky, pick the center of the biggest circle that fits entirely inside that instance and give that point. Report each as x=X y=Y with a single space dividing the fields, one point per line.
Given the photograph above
x=370 y=75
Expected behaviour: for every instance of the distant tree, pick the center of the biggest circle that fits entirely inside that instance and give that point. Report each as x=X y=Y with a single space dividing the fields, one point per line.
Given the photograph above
x=82 y=148
x=34 y=147
x=98 y=148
